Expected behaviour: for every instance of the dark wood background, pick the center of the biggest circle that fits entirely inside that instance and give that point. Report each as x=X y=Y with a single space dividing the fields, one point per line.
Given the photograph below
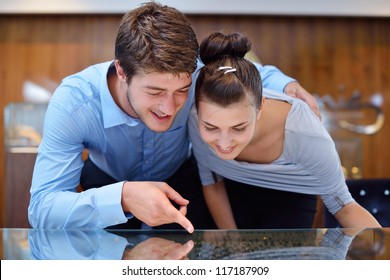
x=328 y=55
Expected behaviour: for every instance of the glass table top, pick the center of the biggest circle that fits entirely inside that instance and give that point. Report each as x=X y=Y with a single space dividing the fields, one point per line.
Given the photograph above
x=297 y=244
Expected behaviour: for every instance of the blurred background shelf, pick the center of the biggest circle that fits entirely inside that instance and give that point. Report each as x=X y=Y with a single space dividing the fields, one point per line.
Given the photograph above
x=23 y=124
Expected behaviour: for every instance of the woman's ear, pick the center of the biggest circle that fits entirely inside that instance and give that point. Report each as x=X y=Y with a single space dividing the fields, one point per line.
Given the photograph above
x=119 y=71
x=258 y=111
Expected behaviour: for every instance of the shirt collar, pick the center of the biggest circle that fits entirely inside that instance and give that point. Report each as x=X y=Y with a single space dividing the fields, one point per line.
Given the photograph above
x=112 y=114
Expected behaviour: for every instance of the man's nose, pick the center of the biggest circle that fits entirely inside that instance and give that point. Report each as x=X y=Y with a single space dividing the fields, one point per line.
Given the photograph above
x=169 y=105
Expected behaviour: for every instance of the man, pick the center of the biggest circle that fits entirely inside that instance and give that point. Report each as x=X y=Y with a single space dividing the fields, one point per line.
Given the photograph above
x=131 y=115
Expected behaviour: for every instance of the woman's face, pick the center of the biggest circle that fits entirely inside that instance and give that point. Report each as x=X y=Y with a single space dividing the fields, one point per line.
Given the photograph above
x=227 y=130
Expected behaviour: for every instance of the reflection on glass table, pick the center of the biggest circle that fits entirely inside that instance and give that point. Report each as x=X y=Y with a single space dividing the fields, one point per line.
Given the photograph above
x=307 y=244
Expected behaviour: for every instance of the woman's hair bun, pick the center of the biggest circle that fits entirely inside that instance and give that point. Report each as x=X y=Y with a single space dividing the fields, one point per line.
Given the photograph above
x=218 y=45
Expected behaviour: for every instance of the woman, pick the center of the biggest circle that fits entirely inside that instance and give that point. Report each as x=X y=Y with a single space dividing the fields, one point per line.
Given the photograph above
x=262 y=159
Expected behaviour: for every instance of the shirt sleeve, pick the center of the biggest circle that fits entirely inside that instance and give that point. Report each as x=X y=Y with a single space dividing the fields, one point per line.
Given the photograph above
x=313 y=149
x=331 y=176
x=54 y=201
x=273 y=78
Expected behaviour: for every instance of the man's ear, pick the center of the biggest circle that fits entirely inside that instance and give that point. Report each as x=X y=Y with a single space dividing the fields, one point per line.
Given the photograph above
x=119 y=71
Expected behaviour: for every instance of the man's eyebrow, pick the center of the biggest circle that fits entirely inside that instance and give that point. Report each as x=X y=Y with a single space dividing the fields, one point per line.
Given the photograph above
x=159 y=88
x=186 y=86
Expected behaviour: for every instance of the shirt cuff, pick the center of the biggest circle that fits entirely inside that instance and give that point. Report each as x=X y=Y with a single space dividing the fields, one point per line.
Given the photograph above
x=108 y=201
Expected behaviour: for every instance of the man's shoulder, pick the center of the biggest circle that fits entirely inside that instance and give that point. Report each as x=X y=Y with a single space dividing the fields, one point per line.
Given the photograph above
x=91 y=74
x=81 y=88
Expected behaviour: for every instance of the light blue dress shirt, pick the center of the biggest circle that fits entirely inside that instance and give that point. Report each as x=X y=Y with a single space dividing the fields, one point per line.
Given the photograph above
x=82 y=114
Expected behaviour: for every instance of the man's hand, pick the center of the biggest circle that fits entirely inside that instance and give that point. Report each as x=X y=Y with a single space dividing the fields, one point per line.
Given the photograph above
x=151 y=203
x=294 y=89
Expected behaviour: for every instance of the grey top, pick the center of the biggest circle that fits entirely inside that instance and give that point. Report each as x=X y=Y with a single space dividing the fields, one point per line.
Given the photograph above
x=309 y=162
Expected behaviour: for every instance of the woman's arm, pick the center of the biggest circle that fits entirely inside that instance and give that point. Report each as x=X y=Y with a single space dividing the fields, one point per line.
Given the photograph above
x=219 y=206
x=353 y=215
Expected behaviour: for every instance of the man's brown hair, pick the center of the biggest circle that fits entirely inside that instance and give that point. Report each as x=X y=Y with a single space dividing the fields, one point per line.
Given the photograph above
x=156 y=38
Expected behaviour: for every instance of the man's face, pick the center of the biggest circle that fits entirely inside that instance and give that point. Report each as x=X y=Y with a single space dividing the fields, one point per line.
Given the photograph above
x=155 y=98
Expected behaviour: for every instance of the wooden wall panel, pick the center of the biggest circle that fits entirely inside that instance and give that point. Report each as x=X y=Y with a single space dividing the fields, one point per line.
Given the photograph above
x=18 y=168
x=328 y=55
